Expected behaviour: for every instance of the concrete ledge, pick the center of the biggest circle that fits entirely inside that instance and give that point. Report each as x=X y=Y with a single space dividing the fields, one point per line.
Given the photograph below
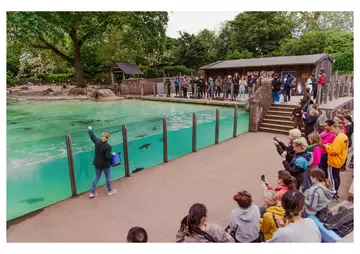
x=191 y=101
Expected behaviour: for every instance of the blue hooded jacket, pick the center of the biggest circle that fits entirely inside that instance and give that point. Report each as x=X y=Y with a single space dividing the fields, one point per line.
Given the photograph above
x=298 y=165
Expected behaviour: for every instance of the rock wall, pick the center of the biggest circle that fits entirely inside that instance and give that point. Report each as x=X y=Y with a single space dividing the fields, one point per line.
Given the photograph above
x=260 y=104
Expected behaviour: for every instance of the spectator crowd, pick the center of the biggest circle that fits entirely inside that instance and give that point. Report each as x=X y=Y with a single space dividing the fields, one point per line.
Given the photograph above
x=310 y=178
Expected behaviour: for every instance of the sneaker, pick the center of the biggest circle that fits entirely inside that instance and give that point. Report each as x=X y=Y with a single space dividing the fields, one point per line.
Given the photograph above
x=92 y=195
x=112 y=192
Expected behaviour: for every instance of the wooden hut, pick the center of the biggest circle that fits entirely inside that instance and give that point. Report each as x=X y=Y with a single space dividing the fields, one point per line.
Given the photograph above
x=301 y=67
x=125 y=69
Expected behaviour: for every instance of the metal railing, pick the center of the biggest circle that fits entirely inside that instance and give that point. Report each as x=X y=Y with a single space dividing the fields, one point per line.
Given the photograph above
x=165 y=144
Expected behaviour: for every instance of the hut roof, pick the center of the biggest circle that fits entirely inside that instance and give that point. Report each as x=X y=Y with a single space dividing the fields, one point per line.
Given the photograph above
x=266 y=61
x=128 y=68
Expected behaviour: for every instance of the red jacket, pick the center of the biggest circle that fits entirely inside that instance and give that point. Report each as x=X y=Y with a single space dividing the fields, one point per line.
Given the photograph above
x=280 y=190
x=321 y=80
x=344 y=127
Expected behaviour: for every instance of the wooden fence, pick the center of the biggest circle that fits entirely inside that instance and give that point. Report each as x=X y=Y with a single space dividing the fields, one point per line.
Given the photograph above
x=336 y=86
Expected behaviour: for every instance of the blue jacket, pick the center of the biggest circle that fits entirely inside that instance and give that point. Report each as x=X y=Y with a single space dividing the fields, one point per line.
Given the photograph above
x=298 y=165
x=177 y=82
x=287 y=83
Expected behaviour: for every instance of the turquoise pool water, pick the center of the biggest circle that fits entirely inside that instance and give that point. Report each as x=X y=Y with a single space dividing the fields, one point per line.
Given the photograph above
x=37 y=164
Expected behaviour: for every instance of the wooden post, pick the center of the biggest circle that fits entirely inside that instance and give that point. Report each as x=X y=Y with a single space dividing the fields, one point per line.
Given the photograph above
x=337 y=86
x=348 y=88
x=194 y=133
x=331 y=90
x=154 y=89
x=217 y=126
x=71 y=165
x=112 y=78
x=235 y=121
x=326 y=91
x=142 y=88
x=165 y=140
x=126 y=152
x=318 y=97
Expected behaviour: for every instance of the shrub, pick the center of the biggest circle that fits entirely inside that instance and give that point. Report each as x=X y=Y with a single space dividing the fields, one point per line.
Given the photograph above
x=176 y=70
x=151 y=72
x=344 y=61
x=58 y=77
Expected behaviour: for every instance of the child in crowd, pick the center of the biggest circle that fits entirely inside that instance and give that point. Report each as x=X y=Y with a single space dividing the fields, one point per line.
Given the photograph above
x=340 y=119
x=317 y=197
x=194 y=229
x=137 y=235
x=285 y=183
x=274 y=212
x=245 y=219
x=296 y=229
x=327 y=137
x=314 y=150
x=289 y=150
x=299 y=162
x=297 y=116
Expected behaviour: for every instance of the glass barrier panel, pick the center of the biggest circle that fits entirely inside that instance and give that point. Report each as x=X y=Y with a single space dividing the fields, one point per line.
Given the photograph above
x=145 y=144
x=205 y=135
x=83 y=153
x=37 y=175
x=242 y=121
x=179 y=135
x=226 y=123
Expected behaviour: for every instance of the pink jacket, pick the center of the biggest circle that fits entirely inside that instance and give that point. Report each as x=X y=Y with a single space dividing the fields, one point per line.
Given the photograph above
x=326 y=138
x=316 y=154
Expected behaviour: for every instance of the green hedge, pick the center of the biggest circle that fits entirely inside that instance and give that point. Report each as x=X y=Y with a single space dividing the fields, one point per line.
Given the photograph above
x=344 y=61
x=151 y=72
x=172 y=71
x=59 y=77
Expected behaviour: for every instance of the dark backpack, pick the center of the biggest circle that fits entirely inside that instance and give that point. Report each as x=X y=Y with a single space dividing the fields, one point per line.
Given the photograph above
x=342 y=223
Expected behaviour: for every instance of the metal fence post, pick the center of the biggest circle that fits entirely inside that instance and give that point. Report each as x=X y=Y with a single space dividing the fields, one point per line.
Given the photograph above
x=235 y=120
x=217 y=126
x=165 y=140
x=126 y=152
x=194 y=133
x=71 y=165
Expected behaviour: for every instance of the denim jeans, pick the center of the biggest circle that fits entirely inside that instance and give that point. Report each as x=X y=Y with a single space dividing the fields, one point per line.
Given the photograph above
x=242 y=92
x=276 y=96
x=97 y=177
x=250 y=88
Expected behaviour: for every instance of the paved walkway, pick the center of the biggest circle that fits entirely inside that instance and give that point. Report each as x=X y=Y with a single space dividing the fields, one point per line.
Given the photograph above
x=159 y=197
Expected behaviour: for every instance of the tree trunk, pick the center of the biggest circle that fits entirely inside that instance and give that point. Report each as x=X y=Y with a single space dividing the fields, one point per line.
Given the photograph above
x=79 y=74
